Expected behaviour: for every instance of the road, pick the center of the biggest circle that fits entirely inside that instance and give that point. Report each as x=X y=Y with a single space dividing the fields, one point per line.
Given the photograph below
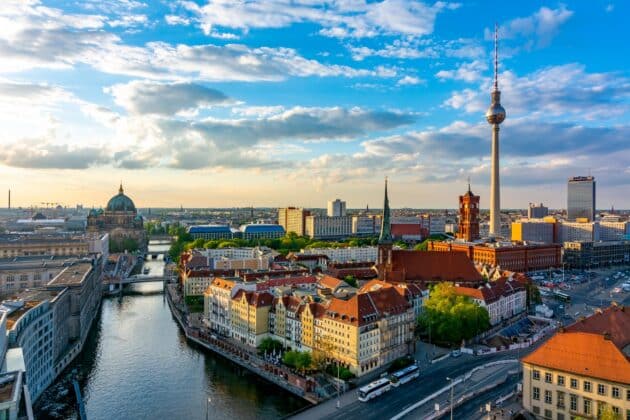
x=431 y=379
x=470 y=409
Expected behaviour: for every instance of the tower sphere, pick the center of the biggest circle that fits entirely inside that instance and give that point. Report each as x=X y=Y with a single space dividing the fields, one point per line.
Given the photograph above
x=495 y=114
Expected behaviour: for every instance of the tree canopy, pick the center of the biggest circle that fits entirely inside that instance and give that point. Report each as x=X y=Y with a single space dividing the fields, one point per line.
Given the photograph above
x=450 y=318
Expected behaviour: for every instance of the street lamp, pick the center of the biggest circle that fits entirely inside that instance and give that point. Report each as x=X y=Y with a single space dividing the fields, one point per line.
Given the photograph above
x=208 y=401
x=451 y=381
x=338 y=401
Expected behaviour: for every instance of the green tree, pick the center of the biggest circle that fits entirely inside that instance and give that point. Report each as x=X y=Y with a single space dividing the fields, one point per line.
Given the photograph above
x=303 y=360
x=269 y=345
x=532 y=294
x=289 y=358
x=607 y=413
x=451 y=318
x=351 y=280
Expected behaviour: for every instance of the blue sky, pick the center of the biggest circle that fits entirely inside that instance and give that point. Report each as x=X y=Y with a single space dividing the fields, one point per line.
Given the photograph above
x=276 y=102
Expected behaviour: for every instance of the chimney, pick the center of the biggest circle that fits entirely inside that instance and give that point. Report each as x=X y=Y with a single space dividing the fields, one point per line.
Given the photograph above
x=607 y=336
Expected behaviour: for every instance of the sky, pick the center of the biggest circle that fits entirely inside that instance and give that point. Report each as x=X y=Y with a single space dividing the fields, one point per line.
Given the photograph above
x=216 y=103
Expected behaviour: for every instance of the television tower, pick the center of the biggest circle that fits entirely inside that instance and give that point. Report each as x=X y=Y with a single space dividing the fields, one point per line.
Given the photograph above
x=495 y=116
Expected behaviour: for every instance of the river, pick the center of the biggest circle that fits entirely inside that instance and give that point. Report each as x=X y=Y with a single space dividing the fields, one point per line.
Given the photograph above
x=137 y=364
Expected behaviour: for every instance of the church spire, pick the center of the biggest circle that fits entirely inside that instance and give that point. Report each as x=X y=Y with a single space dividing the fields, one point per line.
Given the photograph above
x=120 y=190
x=386 y=228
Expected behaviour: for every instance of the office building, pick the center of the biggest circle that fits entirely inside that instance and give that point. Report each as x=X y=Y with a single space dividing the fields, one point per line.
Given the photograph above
x=320 y=227
x=581 y=198
x=336 y=208
x=344 y=254
x=21 y=273
x=543 y=230
x=537 y=211
x=611 y=230
x=56 y=244
x=507 y=255
x=583 y=370
x=293 y=219
x=366 y=225
x=261 y=231
x=596 y=254
x=580 y=230
x=210 y=232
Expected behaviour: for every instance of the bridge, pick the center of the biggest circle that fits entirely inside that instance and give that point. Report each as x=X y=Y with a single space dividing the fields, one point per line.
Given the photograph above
x=138 y=278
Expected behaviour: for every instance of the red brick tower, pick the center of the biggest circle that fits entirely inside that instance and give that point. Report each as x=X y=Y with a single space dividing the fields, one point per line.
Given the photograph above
x=468 y=216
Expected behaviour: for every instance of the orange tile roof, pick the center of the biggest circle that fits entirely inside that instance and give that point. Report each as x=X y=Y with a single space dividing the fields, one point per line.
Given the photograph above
x=435 y=266
x=614 y=320
x=256 y=299
x=364 y=308
x=585 y=354
x=330 y=282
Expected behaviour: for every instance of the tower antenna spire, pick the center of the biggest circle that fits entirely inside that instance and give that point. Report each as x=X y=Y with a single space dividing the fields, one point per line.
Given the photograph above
x=468 y=183
x=496 y=56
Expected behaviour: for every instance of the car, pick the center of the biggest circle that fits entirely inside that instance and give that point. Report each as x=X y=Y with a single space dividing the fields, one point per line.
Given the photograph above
x=456 y=353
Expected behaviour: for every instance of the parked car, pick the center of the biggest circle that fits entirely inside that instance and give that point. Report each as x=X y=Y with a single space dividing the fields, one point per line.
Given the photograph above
x=456 y=353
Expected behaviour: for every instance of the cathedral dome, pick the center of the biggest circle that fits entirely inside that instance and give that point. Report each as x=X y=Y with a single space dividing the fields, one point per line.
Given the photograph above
x=120 y=202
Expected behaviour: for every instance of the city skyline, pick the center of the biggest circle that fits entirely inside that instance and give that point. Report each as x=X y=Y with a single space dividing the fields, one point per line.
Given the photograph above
x=208 y=105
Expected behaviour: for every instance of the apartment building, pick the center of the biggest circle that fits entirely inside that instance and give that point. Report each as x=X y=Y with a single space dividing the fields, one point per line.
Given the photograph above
x=583 y=370
x=293 y=219
x=250 y=316
x=503 y=298
x=344 y=254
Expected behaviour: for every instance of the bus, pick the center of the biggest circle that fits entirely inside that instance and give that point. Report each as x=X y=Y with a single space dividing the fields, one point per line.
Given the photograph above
x=404 y=375
x=374 y=389
x=562 y=296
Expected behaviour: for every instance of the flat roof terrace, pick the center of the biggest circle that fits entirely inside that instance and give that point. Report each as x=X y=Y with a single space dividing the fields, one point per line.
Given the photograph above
x=73 y=275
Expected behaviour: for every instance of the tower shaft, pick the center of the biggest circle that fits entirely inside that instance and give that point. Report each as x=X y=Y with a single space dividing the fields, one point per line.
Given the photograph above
x=495 y=190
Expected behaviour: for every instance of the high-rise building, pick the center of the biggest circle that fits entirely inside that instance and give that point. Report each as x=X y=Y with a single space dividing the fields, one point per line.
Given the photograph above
x=293 y=219
x=336 y=208
x=537 y=211
x=323 y=227
x=495 y=116
x=581 y=198
x=468 y=228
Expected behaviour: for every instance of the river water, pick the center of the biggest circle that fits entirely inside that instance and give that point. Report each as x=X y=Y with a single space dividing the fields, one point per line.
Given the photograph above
x=137 y=364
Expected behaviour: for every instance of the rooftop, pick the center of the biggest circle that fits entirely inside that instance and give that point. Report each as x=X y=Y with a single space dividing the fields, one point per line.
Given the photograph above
x=209 y=229
x=596 y=346
x=72 y=275
x=7 y=384
x=34 y=262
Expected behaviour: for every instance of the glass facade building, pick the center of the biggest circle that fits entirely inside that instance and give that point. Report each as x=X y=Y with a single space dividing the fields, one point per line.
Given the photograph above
x=581 y=198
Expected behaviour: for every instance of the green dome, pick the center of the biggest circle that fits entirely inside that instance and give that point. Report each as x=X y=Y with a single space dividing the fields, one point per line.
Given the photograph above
x=121 y=202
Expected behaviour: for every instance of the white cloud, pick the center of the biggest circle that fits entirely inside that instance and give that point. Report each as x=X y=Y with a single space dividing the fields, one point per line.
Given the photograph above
x=538 y=29
x=176 y=20
x=556 y=91
x=468 y=72
x=130 y=20
x=146 y=97
x=410 y=80
x=338 y=19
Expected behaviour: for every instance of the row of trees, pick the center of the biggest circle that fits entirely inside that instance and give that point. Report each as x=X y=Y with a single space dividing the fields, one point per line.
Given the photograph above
x=448 y=318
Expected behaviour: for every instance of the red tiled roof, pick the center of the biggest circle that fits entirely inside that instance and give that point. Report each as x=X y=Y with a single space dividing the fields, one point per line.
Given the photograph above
x=614 y=320
x=492 y=291
x=583 y=354
x=400 y=229
x=330 y=282
x=419 y=266
x=256 y=299
x=364 y=308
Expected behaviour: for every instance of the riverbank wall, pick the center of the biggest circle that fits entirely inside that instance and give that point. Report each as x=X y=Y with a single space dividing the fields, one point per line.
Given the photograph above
x=273 y=374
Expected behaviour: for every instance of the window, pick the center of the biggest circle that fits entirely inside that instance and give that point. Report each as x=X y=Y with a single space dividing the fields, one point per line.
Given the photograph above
x=548 y=399
x=615 y=392
x=536 y=409
x=587 y=386
x=547 y=413
x=560 y=380
x=601 y=389
x=574 y=383
x=560 y=416
x=548 y=377
x=536 y=374
x=628 y=394
x=573 y=403
x=587 y=406
x=561 y=399
x=536 y=394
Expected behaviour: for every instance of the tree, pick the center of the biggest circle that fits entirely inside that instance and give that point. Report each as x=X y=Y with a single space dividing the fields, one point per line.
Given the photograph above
x=533 y=294
x=269 y=345
x=303 y=360
x=289 y=358
x=351 y=280
x=607 y=413
x=451 y=318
